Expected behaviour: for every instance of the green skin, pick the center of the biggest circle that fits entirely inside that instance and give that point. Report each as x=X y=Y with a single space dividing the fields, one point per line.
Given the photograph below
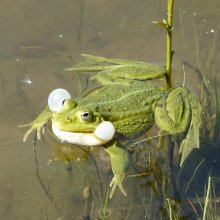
x=128 y=101
x=112 y=103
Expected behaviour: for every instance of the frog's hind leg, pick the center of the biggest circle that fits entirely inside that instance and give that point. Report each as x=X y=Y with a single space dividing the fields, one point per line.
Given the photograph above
x=117 y=181
x=120 y=162
x=180 y=113
x=173 y=114
x=109 y=60
x=112 y=71
x=127 y=73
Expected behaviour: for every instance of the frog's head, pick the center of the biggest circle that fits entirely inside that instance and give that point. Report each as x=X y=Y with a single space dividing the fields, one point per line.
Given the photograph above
x=76 y=119
x=77 y=124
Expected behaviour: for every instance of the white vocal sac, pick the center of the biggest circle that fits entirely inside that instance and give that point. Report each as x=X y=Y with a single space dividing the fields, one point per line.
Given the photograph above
x=102 y=135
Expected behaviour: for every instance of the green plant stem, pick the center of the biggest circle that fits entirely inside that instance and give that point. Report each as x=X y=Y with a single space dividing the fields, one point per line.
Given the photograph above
x=207 y=199
x=169 y=55
x=170 y=210
x=105 y=205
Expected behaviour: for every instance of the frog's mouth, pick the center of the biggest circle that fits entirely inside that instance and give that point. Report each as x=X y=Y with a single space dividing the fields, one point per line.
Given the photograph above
x=102 y=135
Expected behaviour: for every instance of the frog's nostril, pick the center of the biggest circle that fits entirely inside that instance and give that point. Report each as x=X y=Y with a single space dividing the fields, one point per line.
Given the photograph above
x=68 y=119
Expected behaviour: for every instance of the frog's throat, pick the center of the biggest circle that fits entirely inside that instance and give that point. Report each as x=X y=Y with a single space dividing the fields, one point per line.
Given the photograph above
x=102 y=135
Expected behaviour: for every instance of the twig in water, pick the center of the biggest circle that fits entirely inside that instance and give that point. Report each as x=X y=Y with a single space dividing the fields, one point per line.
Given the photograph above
x=48 y=195
x=193 y=207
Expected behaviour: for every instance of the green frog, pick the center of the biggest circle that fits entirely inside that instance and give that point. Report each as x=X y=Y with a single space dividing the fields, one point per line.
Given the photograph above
x=127 y=104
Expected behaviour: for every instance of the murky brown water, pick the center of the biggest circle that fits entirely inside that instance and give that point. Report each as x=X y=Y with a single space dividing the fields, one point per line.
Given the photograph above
x=27 y=75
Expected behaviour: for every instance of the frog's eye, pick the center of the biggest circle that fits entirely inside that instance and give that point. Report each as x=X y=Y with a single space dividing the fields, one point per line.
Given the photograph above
x=57 y=98
x=86 y=115
x=64 y=101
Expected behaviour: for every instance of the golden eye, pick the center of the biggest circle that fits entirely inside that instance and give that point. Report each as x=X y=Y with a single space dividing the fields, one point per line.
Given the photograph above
x=86 y=116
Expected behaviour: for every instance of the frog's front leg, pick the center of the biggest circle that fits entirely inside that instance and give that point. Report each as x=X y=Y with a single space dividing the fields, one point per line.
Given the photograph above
x=55 y=103
x=37 y=123
x=120 y=160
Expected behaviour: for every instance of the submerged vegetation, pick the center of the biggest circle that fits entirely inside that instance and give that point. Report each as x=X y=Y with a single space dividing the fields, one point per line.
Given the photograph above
x=155 y=164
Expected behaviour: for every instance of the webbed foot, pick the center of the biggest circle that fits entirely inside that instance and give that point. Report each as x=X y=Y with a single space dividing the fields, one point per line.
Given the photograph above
x=37 y=123
x=117 y=181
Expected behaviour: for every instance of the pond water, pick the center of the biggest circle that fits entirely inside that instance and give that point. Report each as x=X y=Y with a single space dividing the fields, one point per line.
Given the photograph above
x=37 y=39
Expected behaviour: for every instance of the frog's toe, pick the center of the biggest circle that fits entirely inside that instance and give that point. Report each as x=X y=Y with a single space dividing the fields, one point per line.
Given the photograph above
x=122 y=189
x=27 y=133
x=113 y=186
x=39 y=133
x=114 y=183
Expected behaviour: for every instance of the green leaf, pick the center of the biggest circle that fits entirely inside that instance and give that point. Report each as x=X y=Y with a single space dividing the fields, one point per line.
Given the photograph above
x=162 y=23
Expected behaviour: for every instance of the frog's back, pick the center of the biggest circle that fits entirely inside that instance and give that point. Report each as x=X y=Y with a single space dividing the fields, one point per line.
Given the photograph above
x=120 y=97
x=128 y=107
